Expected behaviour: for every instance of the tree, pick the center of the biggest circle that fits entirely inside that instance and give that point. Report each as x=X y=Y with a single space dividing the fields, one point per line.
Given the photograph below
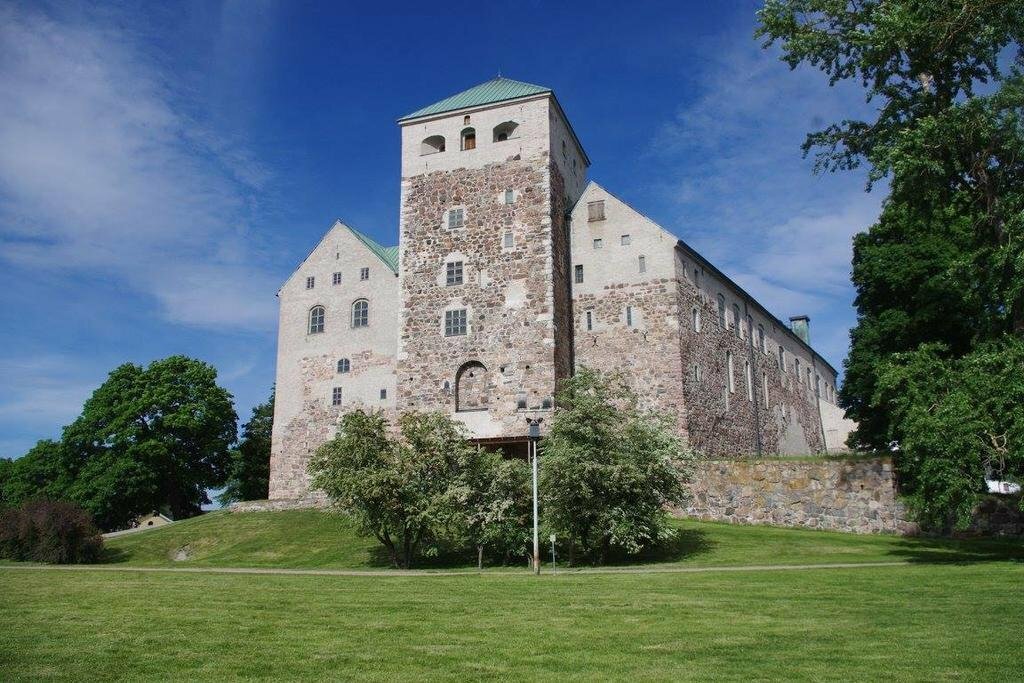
x=147 y=439
x=37 y=475
x=959 y=421
x=249 y=469
x=609 y=469
x=402 y=489
x=496 y=504
x=940 y=277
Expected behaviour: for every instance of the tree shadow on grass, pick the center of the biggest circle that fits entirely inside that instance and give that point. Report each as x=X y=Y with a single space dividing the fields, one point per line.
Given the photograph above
x=686 y=544
x=935 y=550
x=112 y=556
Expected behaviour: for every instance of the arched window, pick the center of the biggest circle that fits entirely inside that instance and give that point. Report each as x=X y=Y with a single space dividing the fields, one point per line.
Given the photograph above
x=471 y=390
x=344 y=365
x=361 y=313
x=316 y=319
x=504 y=131
x=468 y=138
x=432 y=145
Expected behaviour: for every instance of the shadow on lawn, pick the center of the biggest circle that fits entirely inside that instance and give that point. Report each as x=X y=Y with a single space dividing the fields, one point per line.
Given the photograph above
x=959 y=551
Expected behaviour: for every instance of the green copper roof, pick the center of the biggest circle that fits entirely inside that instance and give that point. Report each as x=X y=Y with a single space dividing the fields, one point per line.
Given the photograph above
x=495 y=90
x=389 y=255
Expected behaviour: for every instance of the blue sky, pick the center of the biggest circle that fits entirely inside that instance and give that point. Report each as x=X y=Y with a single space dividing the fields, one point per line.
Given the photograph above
x=165 y=166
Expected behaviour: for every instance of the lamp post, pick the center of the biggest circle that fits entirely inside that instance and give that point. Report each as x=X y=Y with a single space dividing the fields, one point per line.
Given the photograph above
x=534 y=435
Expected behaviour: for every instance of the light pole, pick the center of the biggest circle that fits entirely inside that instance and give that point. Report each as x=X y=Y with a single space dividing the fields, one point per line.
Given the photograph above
x=534 y=436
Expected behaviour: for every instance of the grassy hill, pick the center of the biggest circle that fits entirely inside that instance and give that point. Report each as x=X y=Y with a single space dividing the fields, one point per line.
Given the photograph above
x=325 y=540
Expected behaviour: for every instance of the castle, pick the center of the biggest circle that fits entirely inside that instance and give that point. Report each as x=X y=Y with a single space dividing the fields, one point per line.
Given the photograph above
x=511 y=270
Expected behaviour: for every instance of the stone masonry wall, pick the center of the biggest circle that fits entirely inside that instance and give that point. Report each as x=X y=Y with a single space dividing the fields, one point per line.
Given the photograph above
x=843 y=495
x=507 y=291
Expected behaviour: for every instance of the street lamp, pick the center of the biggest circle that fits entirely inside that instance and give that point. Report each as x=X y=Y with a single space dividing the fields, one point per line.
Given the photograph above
x=534 y=436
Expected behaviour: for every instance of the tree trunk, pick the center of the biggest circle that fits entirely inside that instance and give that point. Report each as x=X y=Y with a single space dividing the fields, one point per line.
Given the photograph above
x=479 y=557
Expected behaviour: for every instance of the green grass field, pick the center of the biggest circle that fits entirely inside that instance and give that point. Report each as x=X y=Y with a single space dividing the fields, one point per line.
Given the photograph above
x=954 y=611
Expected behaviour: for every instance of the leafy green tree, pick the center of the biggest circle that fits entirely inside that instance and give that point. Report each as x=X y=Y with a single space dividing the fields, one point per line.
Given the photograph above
x=958 y=421
x=403 y=489
x=147 y=439
x=249 y=469
x=609 y=469
x=940 y=277
x=37 y=475
x=496 y=505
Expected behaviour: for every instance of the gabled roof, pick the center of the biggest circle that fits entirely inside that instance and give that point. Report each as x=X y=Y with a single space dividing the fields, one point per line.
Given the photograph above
x=495 y=90
x=389 y=255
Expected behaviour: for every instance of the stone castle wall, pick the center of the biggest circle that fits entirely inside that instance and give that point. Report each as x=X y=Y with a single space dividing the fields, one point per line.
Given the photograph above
x=843 y=495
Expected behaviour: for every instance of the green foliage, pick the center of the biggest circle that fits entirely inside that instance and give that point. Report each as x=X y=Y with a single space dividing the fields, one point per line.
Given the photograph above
x=609 y=469
x=148 y=439
x=54 y=532
x=940 y=277
x=411 y=491
x=496 y=500
x=249 y=469
x=956 y=420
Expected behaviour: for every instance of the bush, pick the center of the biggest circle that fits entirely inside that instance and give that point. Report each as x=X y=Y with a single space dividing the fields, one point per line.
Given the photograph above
x=53 y=532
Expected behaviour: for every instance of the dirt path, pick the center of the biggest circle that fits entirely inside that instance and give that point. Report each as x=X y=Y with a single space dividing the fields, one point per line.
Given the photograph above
x=429 y=572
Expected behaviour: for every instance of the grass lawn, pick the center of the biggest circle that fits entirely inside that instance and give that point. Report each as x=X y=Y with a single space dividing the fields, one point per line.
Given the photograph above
x=322 y=540
x=916 y=622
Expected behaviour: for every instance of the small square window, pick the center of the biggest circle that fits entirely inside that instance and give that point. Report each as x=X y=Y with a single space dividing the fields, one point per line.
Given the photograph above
x=642 y=263
x=579 y=274
x=598 y=243
x=510 y=197
x=453 y=274
x=336 y=279
x=455 y=323
x=624 y=240
x=336 y=396
x=364 y=273
x=383 y=394
x=310 y=282
x=508 y=241
x=455 y=219
x=595 y=211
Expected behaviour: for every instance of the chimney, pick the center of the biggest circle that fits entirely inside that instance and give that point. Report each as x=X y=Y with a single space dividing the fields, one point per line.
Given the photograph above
x=801 y=326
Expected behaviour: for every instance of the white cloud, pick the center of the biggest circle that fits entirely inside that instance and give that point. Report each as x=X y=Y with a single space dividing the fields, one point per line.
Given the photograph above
x=105 y=168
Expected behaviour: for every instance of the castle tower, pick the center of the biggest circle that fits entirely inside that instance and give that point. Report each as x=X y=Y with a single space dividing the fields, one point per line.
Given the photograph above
x=485 y=331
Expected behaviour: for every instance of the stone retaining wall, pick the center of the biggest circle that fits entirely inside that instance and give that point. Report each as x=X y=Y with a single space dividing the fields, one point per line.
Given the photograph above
x=844 y=495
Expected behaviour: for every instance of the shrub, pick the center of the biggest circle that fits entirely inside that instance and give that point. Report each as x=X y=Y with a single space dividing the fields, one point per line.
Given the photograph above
x=53 y=532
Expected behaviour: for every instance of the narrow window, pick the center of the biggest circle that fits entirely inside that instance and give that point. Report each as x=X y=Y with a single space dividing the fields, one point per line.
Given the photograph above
x=629 y=316
x=509 y=241
x=721 y=311
x=579 y=274
x=336 y=279
x=344 y=365
x=764 y=387
x=316 y=319
x=453 y=276
x=590 y=321
x=642 y=263
x=595 y=211
x=310 y=282
x=510 y=197
x=455 y=323
x=796 y=366
x=361 y=313
x=782 y=359
x=817 y=385
x=808 y=378
x=696 y=372
x=364 y=273
x=336 y=396
x=696 y=319
x=736 y=326
x=732 y=380
x=383 y=394
x=468 y=139
x=455 y=219
x=625 y=240
x=749 y=329
x=598 y=243
x=760 y=339
x=696 y=279
x=749 y=380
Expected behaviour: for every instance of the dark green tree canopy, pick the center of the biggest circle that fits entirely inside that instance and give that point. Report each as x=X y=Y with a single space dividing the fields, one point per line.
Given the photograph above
x=249 y=468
